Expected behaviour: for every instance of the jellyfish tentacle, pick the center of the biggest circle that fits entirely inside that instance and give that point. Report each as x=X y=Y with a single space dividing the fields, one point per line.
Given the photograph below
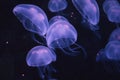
x=41 y=72
x=37 y=41
x=68 y=51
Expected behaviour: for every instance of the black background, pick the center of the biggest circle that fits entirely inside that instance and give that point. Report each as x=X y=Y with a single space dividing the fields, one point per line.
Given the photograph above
x=12 y=54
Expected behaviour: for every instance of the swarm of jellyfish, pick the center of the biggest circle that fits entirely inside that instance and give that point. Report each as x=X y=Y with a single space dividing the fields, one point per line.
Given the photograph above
x=60 y=33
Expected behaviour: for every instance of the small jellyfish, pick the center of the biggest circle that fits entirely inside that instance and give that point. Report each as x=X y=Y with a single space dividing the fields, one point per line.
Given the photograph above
x=41 y=57
x=32 y=17
x=63 y=35
x=115 y=35
x=110 y=56
x=89 y=10
x=57 y=5
x=90 y=13
x=111 y=51
x=112 y=10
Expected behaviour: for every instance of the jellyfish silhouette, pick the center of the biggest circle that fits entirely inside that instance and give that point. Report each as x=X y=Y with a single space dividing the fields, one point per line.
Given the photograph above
x=32 y=17
x=110 y=56
x=115 y=35
x=112 y=10
x=63 y=35
x=57 y=5
x=42 y=57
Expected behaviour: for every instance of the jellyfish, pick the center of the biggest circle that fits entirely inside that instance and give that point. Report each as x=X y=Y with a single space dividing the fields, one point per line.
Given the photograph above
x=63 y=35
x=32 y=17
x=90 y=12
x=57 y=5
x=112 y=50
x=112 y=10
x=115 y=35
x=42 y=57
x=110 y=56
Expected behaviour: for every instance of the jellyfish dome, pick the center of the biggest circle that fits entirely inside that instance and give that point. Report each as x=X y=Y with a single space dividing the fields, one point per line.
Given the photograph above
x=57 y=18
x=32 y=17
x=40 y=56
x=88 y=9
x=112 y=10
x=115 y=35
x=61 y=34
x=112 y=50
x=57 y=5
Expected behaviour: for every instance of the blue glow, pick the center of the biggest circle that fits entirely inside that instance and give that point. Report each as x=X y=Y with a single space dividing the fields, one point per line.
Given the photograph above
x=62 y=34
x=32 y=17
x=41 y=57
x=88 y=9
x=112 y=10
x=115 y=35
x=57 y=5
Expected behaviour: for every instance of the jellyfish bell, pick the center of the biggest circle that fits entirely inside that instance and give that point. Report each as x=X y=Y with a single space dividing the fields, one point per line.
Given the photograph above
x=112 y=50
x=41 y=57
x=62 y=34
x=58 y=31
x=32 y=17
x=57 y=5
x=110 y=56
x=115 y=35
x=88 y=9
x=112 y=10
x=57 y=18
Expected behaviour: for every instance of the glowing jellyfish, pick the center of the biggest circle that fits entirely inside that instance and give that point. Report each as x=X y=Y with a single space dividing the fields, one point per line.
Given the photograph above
x=32 y=17
x=41 y=57
x=89 y=10
x=63 y=35
x=110 y=56
x=112 y=50
x=57 y=5
x=115 y=35
x=112 y=10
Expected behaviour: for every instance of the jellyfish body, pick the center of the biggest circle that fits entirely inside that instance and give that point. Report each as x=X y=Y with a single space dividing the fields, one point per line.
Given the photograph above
x=57 y=5
x=115 y=35
x=112 y=10
x=110 y=56
x=88 y=9
x=32 y=17
x=61 y=34
x=111 y=51
x=41 y=57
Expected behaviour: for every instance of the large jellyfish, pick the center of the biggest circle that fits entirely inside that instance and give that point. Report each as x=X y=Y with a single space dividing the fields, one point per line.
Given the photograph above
x=42 y=57
x=32 y=17
x=90 y=12
x=63 y=35
x=115 y=35
x=112 y=10
x=57 y=5
x=110 y=56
